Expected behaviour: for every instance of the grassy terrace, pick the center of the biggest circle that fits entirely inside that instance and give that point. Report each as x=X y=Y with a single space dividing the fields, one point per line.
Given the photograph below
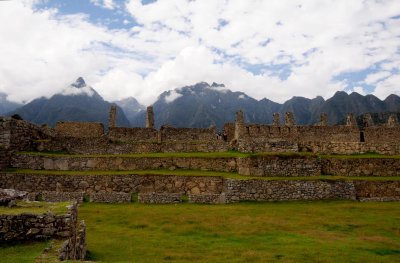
x=35 y=208
x=183 y=172
x=230 y=154
x=318 y=231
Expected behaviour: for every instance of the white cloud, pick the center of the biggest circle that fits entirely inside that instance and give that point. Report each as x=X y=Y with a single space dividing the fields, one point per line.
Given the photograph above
x=359 y=90
x=70 y=90
x=388 y=86
x=180 y=42
x=375 y=77
x=173 y=95
x=108 y=4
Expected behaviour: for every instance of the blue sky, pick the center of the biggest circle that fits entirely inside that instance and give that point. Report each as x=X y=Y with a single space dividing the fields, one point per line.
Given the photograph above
x=273 y=49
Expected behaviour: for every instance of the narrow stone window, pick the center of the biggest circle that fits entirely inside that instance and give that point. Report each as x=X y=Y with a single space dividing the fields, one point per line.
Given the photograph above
x=362 y=139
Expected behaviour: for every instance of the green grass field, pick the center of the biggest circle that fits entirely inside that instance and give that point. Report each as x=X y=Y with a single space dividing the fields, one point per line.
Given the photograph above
x=35 y=208
x=318 y=231
x=325 y=231
x=184 y=172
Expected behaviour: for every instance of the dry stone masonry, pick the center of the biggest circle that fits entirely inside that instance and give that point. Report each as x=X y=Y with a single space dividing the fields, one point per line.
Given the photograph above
x=288 y=139
x=29 y=226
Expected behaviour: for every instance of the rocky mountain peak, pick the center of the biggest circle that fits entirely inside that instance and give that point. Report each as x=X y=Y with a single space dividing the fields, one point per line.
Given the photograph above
x=79 y=83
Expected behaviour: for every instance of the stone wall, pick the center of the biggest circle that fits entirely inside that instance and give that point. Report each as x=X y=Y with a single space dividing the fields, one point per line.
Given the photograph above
x=280 y=166
x=19 y=135
x=256 y=145
x=229 y=130
x=361 y=166
x=377 y=190
x=103 y=145
x=350 y=147
x=75 y=247
x=339 y=139
x=164 y=189
x=79 y=129
x=160 y=198
x=133 y=134
x=280 y=190
x=110 y=197
x=274 y=165
x=187 y=134
x=121 y=163
x=27 y=226
x=5 y=159
x=382 y=134
x=90 y=184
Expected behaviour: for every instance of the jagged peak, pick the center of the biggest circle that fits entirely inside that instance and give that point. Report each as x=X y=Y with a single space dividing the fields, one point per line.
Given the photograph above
x=79 y=83
x=214 y=84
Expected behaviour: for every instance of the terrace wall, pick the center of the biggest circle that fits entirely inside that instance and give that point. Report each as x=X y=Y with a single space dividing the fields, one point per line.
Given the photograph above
x=296 y=165
x=280 y=190
x=187 y=134
x=28 y=227
x=200 y=189
x=361 y=166
x=280 y=166
x=91 y=184
x=133 y=134
x=79 y=129
x=122 y=163
x=19 y=135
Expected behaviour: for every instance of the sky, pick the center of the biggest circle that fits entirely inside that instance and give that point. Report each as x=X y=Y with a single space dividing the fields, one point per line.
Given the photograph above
x=273 y=49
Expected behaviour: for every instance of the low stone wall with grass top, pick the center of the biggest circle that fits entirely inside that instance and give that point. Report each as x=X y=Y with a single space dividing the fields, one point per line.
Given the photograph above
x=41 y=184
x=283 y=165
x=116 y=162
x=282 y=190
x=361 y=166
x=226 y=188
x=28 y=221
x=262 y=164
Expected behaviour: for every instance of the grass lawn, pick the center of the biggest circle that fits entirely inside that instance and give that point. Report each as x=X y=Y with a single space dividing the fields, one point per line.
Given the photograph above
x=35 y=208
x=322 y=231
x=26 y=252
x=184 y=172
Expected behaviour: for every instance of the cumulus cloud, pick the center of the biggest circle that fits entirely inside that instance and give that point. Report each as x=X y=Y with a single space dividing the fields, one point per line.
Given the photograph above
x=108 y=4
x=172 y=95
x=273 y=49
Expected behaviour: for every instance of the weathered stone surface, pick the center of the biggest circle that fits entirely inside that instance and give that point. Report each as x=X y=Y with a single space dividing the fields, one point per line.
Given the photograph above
x=160 y=198
x=163 y=188
x=8 y=196
x=280 y=166
x=110 y=197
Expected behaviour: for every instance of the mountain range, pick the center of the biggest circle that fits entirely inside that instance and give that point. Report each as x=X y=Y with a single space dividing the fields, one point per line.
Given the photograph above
x=77 y=102
x=199 y=105
x=6 y=105
x=202 y=105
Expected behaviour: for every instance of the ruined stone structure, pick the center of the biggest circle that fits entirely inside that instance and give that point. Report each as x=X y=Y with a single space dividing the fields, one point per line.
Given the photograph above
x=150 y=117
x=350 y=120
x=289 y=119
x=90 y=138
x=276 y=119
x=392 y=121
x=323 y=120
x=29 y=227
x=112 y=120
x=367 y=120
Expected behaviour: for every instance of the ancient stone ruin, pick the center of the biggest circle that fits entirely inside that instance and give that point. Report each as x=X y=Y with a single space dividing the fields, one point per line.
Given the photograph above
x=87 y=146
x=150 y=118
